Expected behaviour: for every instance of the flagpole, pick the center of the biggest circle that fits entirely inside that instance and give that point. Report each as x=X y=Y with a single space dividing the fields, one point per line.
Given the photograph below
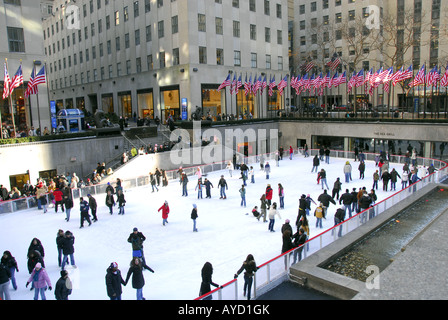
x=11 y=109
x=37 y=97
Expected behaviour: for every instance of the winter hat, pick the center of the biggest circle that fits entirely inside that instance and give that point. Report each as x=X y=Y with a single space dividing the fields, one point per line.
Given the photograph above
x=166 y=202
x=113 y=265
x=194 y=205
x=89 y=195
x=135 y=229
x=38 y=266
x=64 y=273
x=287 y=221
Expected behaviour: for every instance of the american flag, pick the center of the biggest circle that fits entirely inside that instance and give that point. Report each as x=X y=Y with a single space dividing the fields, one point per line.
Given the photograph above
x=17 y=80
x=226 y=83
x=6 y=83
x=419 y=78
x=247 y=85
x=444 y=79
x=359 y=78
x=404 y=75
x=433 y=77
x=317 y=81
x=264 y=84
x=238 y=85
x=31 y=89
x=327 y=80
x=272 y=85
x=334 y=62
x=333 y=80
x=389 y=76
x=282 y=84
x=307 y=66
x=40 y=77
x=351 y=82
x=257 y=84
x=35 y=80
x=233 y=85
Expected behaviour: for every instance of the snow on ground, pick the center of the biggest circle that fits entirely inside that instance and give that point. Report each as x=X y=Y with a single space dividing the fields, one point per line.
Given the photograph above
x=227 y=231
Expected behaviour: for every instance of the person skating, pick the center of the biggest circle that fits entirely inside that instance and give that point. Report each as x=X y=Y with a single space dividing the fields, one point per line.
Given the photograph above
x=152 y=179
x=394 y=175
x=281 y=196
x=114 y=281
x=336 y=188
x=199 y=188
x=165 y=211
x=267 y=170
x=68 y=249
x=84 y=208
x=184 y=182
x=136 y=239
x=268 y=194
x=222 y=184
x=263 y=207
x=93 y=206
x=121 y=201
x=385 y=176
x=316 y=163
x=322 y=178
x=63 y=286
x=206 y=275
x=138 y=280
x=194 y=216
x=325 y=199
x=299 y=242
x=249 y=267
x=110 y=201
x=59 y=243
x=319 y=214
x=11 y=264
x=208 y=185
x=40 y=280
x=272 y=213
x=243 y=196
x=346 y=199
x=5 y=275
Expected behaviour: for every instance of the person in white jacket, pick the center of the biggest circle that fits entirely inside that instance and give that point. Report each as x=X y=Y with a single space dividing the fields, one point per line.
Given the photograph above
x=230 y=167
x=272 y=213
x=348 y=172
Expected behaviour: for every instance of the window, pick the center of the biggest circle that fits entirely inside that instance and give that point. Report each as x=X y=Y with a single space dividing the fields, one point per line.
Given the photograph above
x=268 y=61
x=126 y=13
x=174 y=24
x=126 y=41
x=176 y=56
x=279 y=37
x=267 y=35
x=252 y=6
x=117 y=43
x=148 y=34
x=136 y=9
x=253 y=60
x=236 y=29
x=280 y=63
x=237 y=58
x=137 y=37
x=16 y=39
x=253 y=32
x=117 y=18
x=219 y=57
x=201 y=22
x=218 y=24
x=267 y=9
x=161 y=29
x=162 y=60
x=313 y=6
x=202 y=55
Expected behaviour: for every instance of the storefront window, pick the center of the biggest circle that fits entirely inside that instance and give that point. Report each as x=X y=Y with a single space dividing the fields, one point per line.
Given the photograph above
x=125 y=104
x=107 y=103
x=212 y=100
x=170 y=103
x=145 y=104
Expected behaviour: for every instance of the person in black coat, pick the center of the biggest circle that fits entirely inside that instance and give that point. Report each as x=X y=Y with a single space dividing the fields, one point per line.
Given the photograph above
x=138 y=281
x=68 y=249
x=59 y=238
x=316 y=163
x=208 y=185
x=299 y=241
x=346 y=199
x=385 y=176
x=136 y=238
x=114 y=282
x=36 y=244
x=250 y=267
x=5 y=275
x=11 y=264
x=63 y=287
x=206 y=273
x=93 y=206
x=325 y=199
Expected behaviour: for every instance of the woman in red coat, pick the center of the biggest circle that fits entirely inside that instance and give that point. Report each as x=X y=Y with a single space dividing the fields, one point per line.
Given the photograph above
x=58 y=199
x=269 y=192
x=165 y=211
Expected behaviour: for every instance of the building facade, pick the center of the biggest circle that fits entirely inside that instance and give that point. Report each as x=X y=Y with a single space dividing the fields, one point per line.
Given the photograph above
x=368 y=35
x=22 y=38
x=155 y=58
